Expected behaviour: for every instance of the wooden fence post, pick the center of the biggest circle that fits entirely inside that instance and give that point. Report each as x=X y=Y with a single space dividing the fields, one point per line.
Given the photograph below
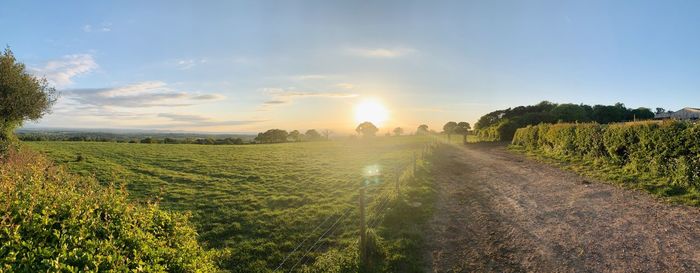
x=398 y=184
x=363 y=232
x=414 y=164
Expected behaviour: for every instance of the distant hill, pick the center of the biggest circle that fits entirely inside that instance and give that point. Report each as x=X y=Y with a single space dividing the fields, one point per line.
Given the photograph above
x=119 y=134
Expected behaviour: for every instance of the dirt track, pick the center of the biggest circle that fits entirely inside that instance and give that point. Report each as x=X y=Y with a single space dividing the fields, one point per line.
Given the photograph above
x=500 y=212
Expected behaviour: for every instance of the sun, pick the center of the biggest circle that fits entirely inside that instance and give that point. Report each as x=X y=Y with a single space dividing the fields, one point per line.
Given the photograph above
x=372 y=111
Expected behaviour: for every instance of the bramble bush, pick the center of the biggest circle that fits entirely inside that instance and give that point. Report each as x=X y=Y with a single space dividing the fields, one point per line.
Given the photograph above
x=669 y=149
x=51 y=221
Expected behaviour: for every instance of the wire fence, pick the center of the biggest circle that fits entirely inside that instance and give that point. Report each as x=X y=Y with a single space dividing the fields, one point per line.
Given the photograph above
x=382 y=200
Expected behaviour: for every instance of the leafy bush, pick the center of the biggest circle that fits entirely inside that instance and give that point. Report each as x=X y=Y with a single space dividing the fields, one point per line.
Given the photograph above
x=52 y=221
x=669 y=149
x=503 y=130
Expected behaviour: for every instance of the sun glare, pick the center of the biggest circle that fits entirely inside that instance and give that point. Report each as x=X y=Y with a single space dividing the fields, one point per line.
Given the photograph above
x=372 y=111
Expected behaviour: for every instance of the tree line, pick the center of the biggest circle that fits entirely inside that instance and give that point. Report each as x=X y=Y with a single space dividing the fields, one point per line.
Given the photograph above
x=368 y=129
x=502 y=124
x=279 y=136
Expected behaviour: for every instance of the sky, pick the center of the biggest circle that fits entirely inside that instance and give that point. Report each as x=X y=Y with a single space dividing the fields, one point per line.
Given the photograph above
x=248 y=66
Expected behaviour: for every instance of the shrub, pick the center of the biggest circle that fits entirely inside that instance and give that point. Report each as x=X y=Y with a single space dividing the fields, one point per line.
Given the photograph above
x=669 y=149
x=52 y=221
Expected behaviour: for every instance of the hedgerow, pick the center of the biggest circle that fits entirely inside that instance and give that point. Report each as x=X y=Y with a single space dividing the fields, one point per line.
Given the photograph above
x=669 y=149
x=51 y=221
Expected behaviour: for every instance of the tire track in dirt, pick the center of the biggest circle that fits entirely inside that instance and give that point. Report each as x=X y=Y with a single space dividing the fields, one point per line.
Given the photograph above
x=500 y=212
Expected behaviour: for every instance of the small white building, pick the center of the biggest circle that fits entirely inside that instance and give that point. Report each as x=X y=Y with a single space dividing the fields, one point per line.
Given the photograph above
x=687 y=113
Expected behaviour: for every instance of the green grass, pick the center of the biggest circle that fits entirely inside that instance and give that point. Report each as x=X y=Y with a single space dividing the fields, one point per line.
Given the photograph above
x=612 y=173
x=251 y=203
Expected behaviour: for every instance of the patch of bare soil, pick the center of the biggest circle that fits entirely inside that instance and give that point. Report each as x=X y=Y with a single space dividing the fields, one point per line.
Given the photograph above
x=500 y=212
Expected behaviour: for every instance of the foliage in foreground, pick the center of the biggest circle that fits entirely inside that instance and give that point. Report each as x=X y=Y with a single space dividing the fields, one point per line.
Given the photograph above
x=22 y=97
x=52 y=221
x=665 y=152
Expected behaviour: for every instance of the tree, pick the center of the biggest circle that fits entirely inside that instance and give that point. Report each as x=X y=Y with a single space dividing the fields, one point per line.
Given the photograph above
x=295 y=135
x=604 y=114
x=312 y=135
x=463 y=128
x=660 y=110
x=490 y=119
x=327 y=133
x=642 y=113
x=422 y=130
x=149 y=140
x=449 y=128
x=22 y=97
x=168 y=140
x=569 y=112
x=272 y=136
x=398 y=131
x=366 y=129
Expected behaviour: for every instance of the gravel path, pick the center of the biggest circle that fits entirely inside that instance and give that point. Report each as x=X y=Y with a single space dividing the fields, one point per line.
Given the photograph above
x=500 y=212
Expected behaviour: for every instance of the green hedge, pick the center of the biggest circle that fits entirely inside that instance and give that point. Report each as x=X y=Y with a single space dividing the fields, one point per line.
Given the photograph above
x=503 y=131
x=51 y=221
x=669 y=149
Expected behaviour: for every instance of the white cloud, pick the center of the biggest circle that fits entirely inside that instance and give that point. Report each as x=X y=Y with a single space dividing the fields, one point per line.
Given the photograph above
x=345 y=85
x=381 y=52
x=138 y=95
x=190 y=120
x=283 y=96
x=189 y=63
x=62 y=71
x=105 y=27
x=310 y=77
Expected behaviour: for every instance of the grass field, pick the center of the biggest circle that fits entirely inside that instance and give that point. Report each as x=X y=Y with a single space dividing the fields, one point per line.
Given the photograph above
x=252 y=203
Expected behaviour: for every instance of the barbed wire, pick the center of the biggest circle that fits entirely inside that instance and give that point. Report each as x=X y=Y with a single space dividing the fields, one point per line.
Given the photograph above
x=320 y=238
x=302 y=242
x=378 y=210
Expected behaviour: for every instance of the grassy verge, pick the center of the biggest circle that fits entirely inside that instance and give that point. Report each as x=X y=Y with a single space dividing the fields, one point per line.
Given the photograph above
x=610 y=172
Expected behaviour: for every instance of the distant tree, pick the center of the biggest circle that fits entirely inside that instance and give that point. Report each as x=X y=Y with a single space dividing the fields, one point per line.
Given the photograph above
x=366 y=129
x=327 y=133
x=463 y=129
x=449 y=128
x=660 y=110
x=272 y=136
x=422 y=130
x=205 y=141
x=22 y=97
x=387 y=134
x=295 y=135
x=168 y=140
x=642 y=113
x=398 y=131
x=149 y=140
x=312 y=135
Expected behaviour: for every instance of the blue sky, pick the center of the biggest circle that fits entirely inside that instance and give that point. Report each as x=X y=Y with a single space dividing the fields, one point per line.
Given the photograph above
x=246 y=66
